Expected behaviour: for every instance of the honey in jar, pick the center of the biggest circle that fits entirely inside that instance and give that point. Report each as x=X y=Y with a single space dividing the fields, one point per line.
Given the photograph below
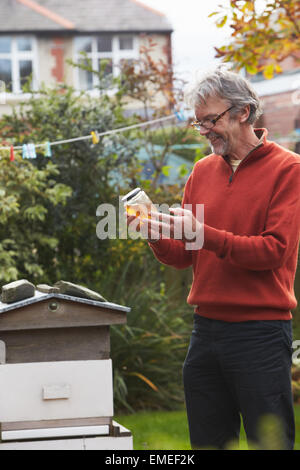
x=138 y=204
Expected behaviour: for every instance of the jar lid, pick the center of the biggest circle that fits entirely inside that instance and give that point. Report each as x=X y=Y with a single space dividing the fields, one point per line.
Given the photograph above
x=131 y=194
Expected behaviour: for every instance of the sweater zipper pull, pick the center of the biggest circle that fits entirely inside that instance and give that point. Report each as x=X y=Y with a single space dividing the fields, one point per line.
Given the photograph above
x=230 y=178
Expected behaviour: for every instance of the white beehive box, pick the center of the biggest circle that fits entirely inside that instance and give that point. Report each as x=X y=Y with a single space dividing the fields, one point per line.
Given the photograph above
x=56 y=390
x=56 y=373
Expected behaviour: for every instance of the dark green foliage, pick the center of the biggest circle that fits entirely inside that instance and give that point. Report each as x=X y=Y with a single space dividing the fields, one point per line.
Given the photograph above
x=82 y=172
x=148 y=352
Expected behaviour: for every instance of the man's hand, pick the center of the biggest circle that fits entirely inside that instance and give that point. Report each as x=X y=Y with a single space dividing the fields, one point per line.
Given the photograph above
x=181 y=224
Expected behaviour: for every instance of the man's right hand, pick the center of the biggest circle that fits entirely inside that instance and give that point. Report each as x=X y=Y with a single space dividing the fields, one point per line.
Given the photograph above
x=144 y=227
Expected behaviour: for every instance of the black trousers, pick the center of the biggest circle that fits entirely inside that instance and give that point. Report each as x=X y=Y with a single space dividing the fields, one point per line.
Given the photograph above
x=235 y=370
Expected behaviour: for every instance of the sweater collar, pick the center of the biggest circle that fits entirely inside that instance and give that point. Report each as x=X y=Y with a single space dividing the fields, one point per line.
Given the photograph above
x=261 y=133
x=260 y=149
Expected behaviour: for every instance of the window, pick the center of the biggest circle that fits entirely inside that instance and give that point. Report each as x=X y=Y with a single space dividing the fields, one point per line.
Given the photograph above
x=103 y=54
x=17 y=62
x=126 y=43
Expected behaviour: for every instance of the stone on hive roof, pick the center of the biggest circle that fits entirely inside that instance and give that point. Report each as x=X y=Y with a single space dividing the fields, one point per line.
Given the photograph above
x=17 y=290
x=68 y=288
x=20 y=290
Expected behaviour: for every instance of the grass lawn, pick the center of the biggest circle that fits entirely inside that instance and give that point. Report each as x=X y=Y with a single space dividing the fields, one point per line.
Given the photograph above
x=156 y=430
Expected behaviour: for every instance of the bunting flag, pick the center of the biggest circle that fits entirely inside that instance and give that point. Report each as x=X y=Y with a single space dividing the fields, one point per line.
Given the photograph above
x=47 y=152
x=180 y=116
x=12 y=155
x=31 y=151
x=25 y=151
x=95 y=137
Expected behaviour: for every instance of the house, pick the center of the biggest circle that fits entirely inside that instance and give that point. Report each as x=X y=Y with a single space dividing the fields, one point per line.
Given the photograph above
x=37 y=37
x=281 y=104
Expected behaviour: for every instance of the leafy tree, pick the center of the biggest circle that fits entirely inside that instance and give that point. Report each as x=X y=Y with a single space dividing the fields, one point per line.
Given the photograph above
x=58 y=114
x=260 y=39
x=26 y=196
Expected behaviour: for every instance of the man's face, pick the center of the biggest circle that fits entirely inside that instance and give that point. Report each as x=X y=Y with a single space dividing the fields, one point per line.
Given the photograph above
x=223 y=135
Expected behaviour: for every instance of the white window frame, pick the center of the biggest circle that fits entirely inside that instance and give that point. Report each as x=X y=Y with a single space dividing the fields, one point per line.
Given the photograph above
x=15 y=56
x=116 y=54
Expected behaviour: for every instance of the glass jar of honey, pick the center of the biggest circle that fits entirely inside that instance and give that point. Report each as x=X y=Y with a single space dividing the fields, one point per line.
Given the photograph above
x=138 y=204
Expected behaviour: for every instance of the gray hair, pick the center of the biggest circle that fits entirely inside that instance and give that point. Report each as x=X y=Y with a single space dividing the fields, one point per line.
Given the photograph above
x=227 y=85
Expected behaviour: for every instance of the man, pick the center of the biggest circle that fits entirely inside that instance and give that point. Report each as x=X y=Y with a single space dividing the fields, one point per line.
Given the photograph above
x=239 y=358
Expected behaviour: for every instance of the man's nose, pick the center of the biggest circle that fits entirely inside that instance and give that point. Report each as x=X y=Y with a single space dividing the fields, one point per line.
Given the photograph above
x=203 y=131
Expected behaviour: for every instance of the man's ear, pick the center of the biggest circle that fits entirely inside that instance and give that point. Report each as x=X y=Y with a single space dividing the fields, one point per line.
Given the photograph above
x=244 y=114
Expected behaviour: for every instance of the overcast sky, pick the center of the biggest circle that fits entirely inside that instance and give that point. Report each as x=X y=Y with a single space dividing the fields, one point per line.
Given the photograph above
x=195 y=35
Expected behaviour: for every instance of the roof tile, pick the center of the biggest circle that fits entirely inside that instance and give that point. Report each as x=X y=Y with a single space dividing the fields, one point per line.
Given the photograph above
x=87 y=16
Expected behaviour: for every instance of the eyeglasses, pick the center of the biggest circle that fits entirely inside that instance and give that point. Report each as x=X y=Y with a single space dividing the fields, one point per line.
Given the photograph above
x=208 y=123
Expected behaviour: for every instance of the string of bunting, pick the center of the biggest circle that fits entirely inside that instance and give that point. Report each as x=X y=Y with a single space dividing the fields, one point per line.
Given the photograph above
x=29 y=150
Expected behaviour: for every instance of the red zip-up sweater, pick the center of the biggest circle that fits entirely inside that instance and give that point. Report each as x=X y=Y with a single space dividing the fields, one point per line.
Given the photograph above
x=246 y=267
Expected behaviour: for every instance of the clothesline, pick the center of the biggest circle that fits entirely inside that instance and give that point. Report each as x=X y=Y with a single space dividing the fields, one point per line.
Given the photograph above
x=95 y=135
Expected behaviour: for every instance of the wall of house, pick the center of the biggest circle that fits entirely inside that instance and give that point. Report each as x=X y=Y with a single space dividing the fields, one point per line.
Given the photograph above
x=280 y=115
x=291 y=62
x=162 y=48
x=52 y=55
x=161 y=51
x=281 y=103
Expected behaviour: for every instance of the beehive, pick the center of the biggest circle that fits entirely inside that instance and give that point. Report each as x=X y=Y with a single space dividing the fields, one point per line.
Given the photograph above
x=56 y=372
